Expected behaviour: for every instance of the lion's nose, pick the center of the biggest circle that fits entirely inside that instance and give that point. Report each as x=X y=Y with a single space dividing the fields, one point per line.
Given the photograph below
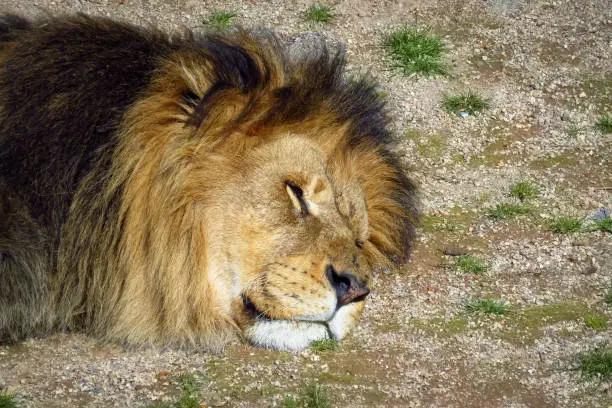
x=347 y=286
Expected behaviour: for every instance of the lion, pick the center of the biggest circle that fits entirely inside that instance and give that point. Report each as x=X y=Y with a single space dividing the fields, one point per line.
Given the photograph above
x=189 y=189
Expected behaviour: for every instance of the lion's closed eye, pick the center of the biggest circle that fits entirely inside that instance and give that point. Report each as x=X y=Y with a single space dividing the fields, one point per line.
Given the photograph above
x=296 y=194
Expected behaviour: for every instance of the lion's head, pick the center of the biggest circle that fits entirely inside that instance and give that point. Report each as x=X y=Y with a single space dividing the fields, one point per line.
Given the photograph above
x=298 y=245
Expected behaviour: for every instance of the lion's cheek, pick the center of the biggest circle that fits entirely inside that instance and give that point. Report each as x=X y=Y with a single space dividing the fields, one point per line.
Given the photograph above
x=345 y=319
x=313 y=306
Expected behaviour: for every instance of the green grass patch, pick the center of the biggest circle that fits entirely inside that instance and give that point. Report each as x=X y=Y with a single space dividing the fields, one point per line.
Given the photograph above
x=220 y=19
x=487 y=306
x=190 y=386
x=435 y=223
x=319 y=13
x=469 y=102
x=604 y=225
x=523 y=190
x=313 y=396
x=414 y=134
x=566 y=225
x=455 y=221
x=553 y=313
x=416 y=51
x=605 y=123
x=188 y=401
x=338 y=378
x=189 y=383
x=471 y=265
x=505 y=211
x=599 y=88
x=324 y=345
x=596 y=321
x=290 y=402
x=563 y=160
x=434 y=147
x=440 y=326
x=7 y=401
x=527 y=325
x=597 y=363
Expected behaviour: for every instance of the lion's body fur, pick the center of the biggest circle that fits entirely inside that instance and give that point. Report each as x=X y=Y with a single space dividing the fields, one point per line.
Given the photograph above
x=122 y=149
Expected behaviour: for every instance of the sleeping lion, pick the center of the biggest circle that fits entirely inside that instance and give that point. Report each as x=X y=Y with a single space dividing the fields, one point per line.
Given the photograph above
x=189 y=189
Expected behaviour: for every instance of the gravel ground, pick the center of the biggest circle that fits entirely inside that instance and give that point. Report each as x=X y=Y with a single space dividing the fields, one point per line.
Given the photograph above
x=545 y=65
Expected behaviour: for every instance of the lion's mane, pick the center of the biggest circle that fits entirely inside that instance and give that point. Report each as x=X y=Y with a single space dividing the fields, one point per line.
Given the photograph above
x=112 y=140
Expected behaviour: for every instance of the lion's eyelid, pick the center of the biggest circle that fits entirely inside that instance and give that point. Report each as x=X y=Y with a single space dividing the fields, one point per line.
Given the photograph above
x=297 y=197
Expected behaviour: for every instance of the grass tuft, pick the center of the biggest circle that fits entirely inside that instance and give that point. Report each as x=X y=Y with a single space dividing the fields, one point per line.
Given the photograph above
x=488 y=306
x=7 y=401
x=415 y=51
x=470 y=264
x=319 y=13
x=313 y=396
x=505 y=211
x=469 y=102
x=596 y=321
x=608 y=298
x=566 y=225
x=190 y=385
x=188 y=401
x=290 y=402
x=220 y=19
x=605 y=123
x=523 y=190
x=597 y=363
x=604 y=225
x=324 y=345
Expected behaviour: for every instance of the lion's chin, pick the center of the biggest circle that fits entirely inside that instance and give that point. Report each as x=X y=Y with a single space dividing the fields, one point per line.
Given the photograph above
x=299 y=334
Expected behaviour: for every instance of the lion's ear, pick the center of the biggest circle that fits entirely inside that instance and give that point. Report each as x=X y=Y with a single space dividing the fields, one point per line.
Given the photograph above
x=308 y=195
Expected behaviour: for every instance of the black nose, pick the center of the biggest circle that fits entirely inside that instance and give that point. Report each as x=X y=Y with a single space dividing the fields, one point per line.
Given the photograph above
x=347 y=286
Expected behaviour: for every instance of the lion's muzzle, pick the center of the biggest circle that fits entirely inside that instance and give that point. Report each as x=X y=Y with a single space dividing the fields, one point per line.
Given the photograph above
x=324 y=304
x=348 y=287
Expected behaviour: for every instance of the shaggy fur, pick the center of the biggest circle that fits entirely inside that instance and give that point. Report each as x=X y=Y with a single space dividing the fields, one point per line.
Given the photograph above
x=187 y=189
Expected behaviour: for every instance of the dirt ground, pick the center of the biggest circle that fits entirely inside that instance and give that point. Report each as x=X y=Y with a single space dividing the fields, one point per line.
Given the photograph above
x=546 y=68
